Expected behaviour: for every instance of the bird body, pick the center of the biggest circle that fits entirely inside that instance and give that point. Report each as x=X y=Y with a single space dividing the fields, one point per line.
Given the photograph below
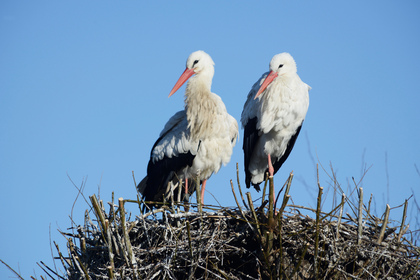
x=272 y=118
x=196 y=141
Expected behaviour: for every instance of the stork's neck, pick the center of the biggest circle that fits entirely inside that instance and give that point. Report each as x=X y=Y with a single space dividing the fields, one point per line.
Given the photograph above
x=286 y=77
x=200 y=106
x=283 y=81
x=198 y=89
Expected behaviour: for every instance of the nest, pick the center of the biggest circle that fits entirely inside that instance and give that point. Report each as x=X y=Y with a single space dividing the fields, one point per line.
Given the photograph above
x=238 y=243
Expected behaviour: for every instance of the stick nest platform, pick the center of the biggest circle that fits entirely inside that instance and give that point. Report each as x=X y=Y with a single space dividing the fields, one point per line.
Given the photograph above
x=238 y=243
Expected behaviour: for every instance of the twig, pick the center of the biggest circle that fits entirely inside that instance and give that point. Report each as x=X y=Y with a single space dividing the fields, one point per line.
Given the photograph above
x=384 y=224
x=269 y=244
x=271 y=197
x=403 y=220
x=318 y=217
x=80 y=191
x=51 y=249
x=236 y=199
x=126 y=237
x=181 y=187
x=134 y=180
x=77 y=261
x=63 y=261
x=98 y=213
x=172 y=195
x=251 y=205
x=110 y=252
x=368 y=209
x=83 y=267
x=189 y=238
x=360 y=217
x=11 y=269
x=46 y=267
x=110 y=272
x=298 y=265
x=83 y=244
x=265 y=188
x=198 y=195
x=343 y=199
x=239 y=186
x=280 y=220
x=237 y=203
x=286 y=194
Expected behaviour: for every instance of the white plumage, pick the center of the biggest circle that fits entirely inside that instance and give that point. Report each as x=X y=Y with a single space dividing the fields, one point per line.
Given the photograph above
x=272 y=118
x=195 y=141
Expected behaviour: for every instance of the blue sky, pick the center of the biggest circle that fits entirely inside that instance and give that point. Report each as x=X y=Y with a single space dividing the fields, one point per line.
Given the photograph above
x=84 y=86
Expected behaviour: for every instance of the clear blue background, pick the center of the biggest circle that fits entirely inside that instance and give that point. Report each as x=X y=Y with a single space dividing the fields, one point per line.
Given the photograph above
x=84 y=86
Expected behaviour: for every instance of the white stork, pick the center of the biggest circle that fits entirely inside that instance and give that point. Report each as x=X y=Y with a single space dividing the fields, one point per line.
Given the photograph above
x=272 y=118
x=195 y=141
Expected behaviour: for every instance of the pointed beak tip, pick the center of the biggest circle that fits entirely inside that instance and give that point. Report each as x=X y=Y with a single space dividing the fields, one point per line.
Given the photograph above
x=184 y=77
x=270 y=77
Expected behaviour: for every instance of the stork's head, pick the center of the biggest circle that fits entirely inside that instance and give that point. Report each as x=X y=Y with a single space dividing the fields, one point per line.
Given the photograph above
x=199 y=63
x=281 y=64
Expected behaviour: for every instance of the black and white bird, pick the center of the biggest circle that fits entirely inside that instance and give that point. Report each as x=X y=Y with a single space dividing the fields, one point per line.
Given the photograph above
x=272 y=118
x=196 y=141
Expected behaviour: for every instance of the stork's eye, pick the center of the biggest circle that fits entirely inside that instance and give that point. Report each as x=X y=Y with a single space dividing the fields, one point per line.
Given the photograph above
x=281 y=65
x=195 y=62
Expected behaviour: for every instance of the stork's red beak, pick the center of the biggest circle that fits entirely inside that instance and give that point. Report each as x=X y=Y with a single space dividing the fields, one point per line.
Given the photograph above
x=271 y=76
x=184 y=77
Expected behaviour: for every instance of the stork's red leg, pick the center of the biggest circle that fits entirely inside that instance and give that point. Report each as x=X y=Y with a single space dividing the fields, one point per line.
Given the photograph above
x=203 y=186
x=270 y=166
x=186 y=185
x=186 y=196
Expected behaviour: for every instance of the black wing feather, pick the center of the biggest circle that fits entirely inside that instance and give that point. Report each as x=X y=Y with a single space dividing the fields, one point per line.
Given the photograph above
x=250 y=140
x=161 y=172
x=279 y=162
